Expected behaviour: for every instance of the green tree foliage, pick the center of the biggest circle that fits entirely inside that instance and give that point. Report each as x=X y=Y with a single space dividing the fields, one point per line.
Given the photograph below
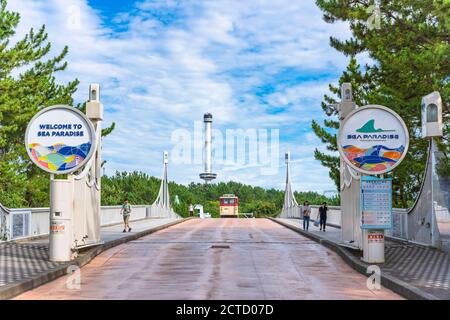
x=315 y=199
x=141 y=188
x=411 y=54
x=27 y=84
x=265 y=209
x=327 y=134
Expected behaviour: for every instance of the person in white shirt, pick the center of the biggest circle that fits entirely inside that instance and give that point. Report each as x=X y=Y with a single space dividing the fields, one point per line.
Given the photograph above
x=126 y=212
x=306 y=215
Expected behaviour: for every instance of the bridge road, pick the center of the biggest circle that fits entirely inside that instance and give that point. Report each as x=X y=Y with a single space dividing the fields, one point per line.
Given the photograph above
x=217 y=259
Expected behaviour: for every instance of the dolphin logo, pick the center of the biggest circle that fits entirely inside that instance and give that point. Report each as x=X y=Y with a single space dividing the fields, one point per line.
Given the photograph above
x=369 y=127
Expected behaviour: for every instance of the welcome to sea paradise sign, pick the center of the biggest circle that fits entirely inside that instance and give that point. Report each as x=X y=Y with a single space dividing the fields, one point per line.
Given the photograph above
x=373 y=139
x=60 y=139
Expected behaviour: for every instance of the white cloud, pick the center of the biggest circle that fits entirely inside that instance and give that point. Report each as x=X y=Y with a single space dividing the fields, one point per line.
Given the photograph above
x=157 y=77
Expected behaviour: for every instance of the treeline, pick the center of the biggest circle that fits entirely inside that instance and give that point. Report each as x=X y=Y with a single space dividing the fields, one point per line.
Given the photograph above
x=141 y=188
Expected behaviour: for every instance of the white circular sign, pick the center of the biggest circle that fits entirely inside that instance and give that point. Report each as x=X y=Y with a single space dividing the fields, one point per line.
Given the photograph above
x=373 y=139
x=60 y=139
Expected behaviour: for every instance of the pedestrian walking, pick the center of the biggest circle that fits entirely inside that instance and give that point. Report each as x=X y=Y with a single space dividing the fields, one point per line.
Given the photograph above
x=126 y=212
x=191 y=210
x=306 y=215
x=323 y=209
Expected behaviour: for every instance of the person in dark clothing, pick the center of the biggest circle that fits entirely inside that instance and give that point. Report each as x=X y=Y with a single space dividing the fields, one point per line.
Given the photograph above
x=323 y=216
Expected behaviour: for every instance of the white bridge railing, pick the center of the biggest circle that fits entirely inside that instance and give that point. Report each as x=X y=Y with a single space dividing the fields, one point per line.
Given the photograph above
x=33 y=222
x=399 y=216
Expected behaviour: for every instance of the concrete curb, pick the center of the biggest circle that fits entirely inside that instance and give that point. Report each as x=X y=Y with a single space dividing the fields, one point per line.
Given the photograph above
x=398 y=286
x=14 y=289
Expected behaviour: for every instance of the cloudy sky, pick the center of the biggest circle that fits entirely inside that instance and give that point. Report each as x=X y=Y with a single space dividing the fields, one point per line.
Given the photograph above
x=253 y=64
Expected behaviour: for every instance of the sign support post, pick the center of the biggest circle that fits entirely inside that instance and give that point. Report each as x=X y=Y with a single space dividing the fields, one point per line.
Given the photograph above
x=61 y=219
x=64 y=141
x=376 y=216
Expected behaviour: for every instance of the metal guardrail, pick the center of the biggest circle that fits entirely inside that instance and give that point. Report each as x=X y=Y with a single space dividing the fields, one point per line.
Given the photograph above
x=23 y=223
x=247 y=214
x=399 y=216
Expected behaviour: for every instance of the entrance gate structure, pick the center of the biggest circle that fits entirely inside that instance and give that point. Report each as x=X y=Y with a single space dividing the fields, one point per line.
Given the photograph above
x=427 y=221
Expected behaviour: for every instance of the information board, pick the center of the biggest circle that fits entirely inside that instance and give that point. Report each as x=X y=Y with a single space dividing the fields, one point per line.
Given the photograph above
x=376 y=203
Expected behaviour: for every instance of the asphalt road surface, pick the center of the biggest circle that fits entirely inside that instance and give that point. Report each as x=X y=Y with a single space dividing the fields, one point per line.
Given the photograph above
x=215 y=259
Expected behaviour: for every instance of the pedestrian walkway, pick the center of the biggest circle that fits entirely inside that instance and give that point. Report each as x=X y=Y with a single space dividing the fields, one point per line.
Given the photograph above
x=115 y=232
x=216 y=259
x=424 y=268
x=21 y=262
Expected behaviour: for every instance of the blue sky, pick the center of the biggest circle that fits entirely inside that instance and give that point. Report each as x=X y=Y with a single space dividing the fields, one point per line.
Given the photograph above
x=162 y=64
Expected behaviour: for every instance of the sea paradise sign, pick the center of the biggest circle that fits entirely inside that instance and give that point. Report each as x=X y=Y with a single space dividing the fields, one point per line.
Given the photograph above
x=373 y=139
x=60 y=139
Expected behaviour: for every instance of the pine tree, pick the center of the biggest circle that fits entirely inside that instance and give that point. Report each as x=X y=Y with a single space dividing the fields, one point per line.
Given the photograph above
x=409 y=45
x=27 y=84
x=327 y=134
